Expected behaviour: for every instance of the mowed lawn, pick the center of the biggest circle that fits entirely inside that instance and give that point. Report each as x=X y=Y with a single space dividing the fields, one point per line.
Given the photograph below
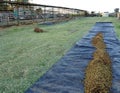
x=26 y=55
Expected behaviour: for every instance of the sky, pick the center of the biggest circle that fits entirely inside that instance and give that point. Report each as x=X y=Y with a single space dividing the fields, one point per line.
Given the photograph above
x=89 y=5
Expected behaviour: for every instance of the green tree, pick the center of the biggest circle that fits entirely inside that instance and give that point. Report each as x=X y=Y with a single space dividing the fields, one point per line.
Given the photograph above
x=116 y=10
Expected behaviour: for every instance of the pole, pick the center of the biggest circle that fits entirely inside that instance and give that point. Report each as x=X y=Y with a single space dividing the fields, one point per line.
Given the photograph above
x=18 y=21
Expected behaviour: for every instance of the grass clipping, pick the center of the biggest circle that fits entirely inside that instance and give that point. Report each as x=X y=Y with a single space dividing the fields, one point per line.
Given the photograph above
x=98 y=74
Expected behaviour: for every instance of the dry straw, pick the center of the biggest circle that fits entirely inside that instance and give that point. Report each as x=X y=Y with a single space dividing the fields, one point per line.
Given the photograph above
x=98 y=74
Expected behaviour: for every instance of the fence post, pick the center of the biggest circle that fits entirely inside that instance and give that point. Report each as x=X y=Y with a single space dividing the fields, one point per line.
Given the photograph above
x=8 y=20
x=44 y=13
x=18 y=21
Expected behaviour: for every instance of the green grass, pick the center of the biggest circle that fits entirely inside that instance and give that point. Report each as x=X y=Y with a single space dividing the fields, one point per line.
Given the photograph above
x=26 y=55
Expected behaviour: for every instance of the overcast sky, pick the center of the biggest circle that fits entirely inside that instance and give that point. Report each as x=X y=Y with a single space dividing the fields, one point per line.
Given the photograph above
x=89 y=5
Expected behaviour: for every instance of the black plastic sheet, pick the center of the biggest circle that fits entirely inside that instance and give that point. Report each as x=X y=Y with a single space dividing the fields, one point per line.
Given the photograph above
x=67 y=75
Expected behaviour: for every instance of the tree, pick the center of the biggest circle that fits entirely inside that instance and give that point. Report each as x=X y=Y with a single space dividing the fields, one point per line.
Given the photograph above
x=3 y=6
x=39 y=11
x=93 y=13
x=116 y=10
x=86 y=13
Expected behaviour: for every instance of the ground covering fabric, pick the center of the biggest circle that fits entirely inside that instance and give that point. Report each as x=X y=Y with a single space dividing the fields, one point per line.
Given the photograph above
x=67 y=75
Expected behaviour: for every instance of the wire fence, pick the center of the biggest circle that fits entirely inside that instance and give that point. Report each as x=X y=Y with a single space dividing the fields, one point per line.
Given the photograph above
x=16 y=13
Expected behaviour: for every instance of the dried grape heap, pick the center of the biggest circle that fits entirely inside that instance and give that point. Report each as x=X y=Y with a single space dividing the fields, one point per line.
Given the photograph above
x=38 y=30
x=98 y=74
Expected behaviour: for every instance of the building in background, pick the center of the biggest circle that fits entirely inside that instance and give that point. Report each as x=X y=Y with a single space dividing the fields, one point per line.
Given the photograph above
x=105 y=14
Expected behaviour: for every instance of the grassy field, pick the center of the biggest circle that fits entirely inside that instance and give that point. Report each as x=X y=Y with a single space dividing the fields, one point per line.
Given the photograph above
x=26 y=55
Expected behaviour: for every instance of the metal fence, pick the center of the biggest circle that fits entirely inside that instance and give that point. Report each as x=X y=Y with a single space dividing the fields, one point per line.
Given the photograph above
x=15 y=13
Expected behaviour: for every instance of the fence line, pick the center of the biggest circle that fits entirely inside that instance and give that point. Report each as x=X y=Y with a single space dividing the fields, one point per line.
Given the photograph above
x=15 y=13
